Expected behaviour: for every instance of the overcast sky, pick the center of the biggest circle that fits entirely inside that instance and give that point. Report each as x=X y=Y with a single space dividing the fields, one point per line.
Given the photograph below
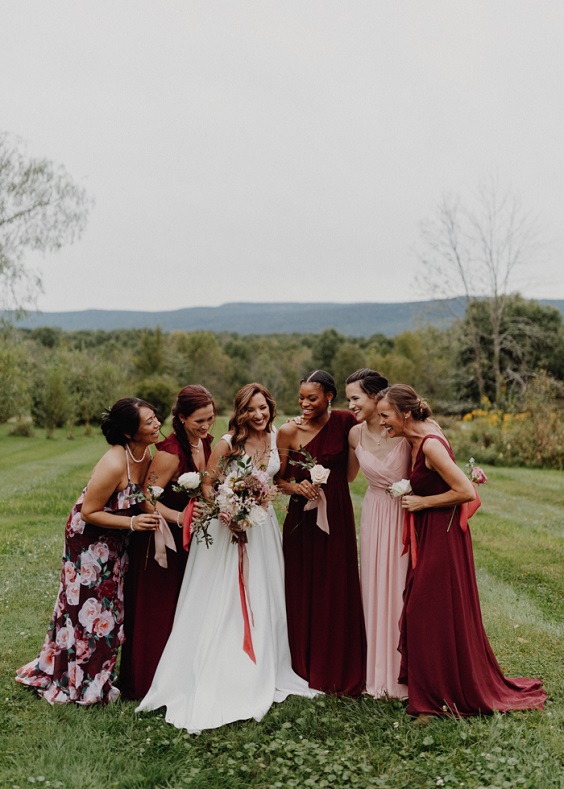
x=281 y=151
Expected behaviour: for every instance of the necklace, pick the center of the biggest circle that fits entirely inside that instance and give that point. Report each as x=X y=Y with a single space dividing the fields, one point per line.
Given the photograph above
x=377 y=441
x=195 y=446
x=132 y=456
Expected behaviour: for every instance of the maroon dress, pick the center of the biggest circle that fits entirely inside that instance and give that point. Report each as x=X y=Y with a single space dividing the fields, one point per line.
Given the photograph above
x=323 y=602
x=446 y=659
x=151 y=591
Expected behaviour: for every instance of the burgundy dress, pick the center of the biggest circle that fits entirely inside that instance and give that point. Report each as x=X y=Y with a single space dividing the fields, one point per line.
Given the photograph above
x=323 y=602
x=151 y=591
x=447 y=660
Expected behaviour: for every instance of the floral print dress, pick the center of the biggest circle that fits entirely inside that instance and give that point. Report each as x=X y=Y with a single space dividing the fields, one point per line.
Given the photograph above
x=77 y=662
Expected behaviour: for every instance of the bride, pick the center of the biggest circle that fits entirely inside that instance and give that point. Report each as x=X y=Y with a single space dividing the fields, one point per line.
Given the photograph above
x=227 y=657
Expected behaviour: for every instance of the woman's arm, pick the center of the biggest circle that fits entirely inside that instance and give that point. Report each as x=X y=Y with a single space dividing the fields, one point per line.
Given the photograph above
x=286 y=438
x=213 y=470
x=107 y=476
x=353 y=464
x=162 y=469
x=461 y=489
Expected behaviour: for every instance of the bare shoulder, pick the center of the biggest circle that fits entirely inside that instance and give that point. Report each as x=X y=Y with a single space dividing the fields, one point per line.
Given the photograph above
x=112 y=462
x=288 y=431
x=354 y=435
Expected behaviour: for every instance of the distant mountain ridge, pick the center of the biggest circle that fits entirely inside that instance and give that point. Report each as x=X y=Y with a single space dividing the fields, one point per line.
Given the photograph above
x=352 y=320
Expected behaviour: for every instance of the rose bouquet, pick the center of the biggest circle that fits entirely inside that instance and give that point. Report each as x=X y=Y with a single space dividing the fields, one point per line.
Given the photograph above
x=242 y=499
x=190 y=483
x=399 y=489
x=474 y=473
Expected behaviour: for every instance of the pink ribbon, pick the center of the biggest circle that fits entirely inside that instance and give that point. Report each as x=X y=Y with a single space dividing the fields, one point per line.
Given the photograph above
x=245 y=599
x=468 y=509
x=187 y=523
x=163 y=540
x=321 y=504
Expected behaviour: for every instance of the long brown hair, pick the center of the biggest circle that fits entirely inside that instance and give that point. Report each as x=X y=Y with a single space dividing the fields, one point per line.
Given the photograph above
x=238 y=426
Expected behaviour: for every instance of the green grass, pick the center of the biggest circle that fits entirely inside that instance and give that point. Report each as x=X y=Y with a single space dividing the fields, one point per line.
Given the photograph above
x=519 y=548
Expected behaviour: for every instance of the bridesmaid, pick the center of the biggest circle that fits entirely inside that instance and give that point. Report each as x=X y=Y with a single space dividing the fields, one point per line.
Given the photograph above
x=323 y=601
x=383 y=568
x=446 y=658
x=151 y=591
x=77 y=662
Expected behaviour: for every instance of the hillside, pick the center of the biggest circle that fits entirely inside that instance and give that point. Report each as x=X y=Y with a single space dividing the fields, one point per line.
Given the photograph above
x=352 y=320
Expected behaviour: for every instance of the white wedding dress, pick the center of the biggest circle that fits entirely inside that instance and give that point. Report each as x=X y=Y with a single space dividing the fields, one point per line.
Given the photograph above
x=204 y=678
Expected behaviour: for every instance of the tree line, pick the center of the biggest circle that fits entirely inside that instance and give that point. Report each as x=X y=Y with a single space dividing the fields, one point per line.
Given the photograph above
x=68 y=378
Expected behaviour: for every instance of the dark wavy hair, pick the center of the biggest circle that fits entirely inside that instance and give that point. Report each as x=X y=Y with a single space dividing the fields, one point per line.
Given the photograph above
x=238 y=426
x=371 y=382
x=188 y=400
x=324 y=379
x=404 y=398
x=121 y=421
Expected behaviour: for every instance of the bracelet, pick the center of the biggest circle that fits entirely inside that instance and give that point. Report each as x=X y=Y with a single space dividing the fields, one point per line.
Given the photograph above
x=131 y=523
x=178 y=519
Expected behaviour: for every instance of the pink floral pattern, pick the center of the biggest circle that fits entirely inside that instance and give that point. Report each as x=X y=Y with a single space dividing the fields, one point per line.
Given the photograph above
x=78 y=659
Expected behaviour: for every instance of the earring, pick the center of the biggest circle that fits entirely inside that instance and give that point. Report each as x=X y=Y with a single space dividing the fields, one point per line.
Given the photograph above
x=329 y=407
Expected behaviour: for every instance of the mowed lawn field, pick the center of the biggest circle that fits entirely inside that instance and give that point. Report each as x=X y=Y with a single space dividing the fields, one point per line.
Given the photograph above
x=519 y=548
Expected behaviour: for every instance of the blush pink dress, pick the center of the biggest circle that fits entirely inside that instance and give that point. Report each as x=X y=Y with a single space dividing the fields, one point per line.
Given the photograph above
x=383 y=569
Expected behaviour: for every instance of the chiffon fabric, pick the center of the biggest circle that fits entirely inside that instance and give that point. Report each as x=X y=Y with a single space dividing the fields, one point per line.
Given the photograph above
x=383 y=569
x=77 y=662
x=447 y=660
x=204 y=678
x=151 y=591
x=323 y=600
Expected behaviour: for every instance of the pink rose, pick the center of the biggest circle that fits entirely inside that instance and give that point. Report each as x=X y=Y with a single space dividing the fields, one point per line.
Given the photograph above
x=89 y=569
x=65 y=636
x=47 y=657
x=76 y=524
x=76 y=674
x=100 y=551
x=69 y=572
x=103 y=624
x=73 y=593
x=91 y=609
x=82 y=649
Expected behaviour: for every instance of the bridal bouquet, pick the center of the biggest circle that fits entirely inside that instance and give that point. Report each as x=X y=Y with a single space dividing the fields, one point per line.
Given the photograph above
x=242 y=499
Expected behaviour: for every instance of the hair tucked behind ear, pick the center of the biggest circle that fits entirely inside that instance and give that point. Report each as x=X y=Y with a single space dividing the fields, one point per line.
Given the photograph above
x=404 y=398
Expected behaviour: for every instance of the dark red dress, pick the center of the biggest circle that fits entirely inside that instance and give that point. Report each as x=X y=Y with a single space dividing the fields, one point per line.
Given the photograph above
x=447 y=661
x=323 y=602
x=151 y=591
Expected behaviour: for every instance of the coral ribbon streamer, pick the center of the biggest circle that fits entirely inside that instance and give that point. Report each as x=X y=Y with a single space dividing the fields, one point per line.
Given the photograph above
x=321 y=503
x=409 y=536
x=163 y=540
x=245 y=600
x=186 y=524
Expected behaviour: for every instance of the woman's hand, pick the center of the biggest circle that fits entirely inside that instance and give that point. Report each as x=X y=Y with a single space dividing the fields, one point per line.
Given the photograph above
x=413 y=503
x=199 y=509
x=145 y=521
x=306 y=489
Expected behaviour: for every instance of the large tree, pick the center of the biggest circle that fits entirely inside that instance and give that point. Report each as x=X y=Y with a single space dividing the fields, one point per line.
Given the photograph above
x=475 y=252
x=41 y=209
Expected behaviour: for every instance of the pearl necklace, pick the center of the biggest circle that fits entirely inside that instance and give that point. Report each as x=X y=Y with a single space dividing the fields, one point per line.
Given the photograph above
x=195 y=446
x=132 y=456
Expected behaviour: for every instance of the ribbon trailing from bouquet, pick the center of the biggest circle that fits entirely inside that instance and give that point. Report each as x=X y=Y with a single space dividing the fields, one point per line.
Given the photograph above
x=321 y=504
x=163 y=540
x=244 y=593
x=187 y=524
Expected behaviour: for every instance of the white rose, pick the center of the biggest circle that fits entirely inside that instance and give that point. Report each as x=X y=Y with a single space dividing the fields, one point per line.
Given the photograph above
x=155 y=491
x=401 y=488
x=257 y=516
x=190 y=480
x=319 y=474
